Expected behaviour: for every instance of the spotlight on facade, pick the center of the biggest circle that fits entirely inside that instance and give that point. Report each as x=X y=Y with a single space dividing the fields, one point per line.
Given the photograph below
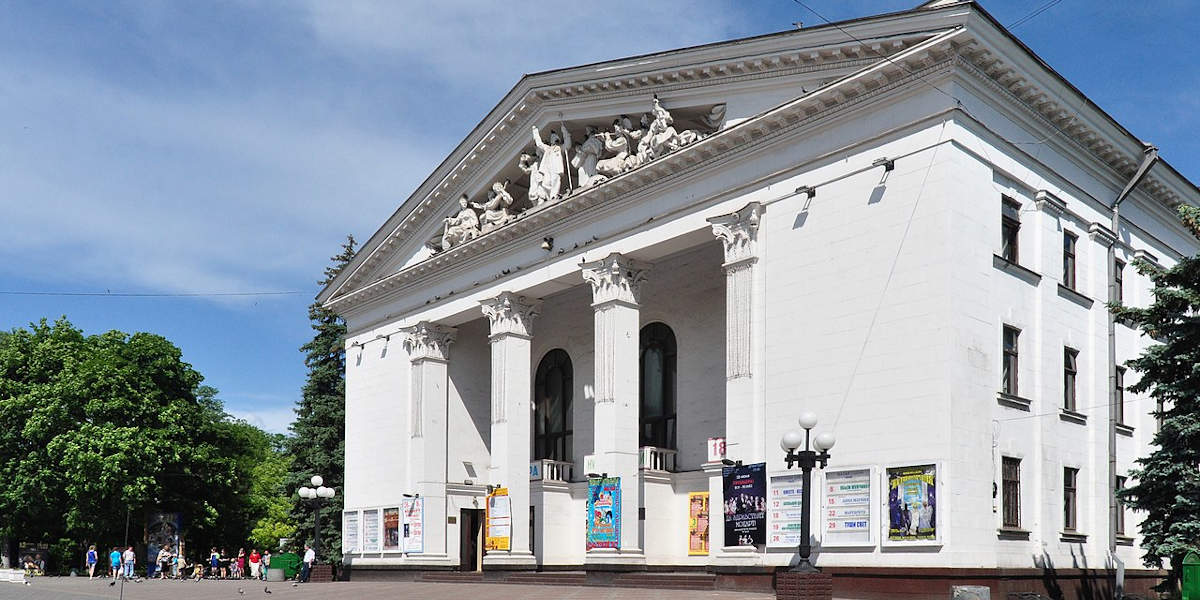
x=731 y=463
x=807 y=190
x=597 y=475
x=547 y=244
x=888 y=163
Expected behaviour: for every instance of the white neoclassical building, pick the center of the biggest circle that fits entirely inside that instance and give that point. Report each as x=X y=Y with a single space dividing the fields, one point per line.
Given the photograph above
x=901 y=223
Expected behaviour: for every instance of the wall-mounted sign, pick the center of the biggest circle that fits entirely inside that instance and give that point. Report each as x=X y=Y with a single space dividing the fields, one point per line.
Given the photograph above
x=391 y=529
x=716 y=449
x=604 y=513
x=745 y=488
x=912 y=503
x=499 y=521
x=535 y=470
x=412 y=523
x=697 y=523
x=350 y=540
x=784 y=509
x=847 y=507
x=371 y=530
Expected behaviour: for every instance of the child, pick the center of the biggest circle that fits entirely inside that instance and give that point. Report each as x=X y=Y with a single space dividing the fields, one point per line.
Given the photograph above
x=198 y=571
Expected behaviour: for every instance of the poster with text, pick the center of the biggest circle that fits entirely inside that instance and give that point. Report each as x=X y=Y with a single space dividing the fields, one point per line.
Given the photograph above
x=847 y=507
x=391 y=529
x=371 y=530
x=604 y=513
x=745 y=488
x=412 y=525
x=499 y=521
x=350 y=532
x=697 y=523
x=785 y=509
x=912 y=503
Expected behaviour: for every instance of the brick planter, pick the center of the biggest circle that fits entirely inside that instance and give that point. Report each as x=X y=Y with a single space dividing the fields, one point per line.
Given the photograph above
x=321 y=574
x=803 y=586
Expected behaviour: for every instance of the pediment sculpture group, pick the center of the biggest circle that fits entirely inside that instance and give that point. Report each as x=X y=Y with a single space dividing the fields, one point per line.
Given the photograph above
x=556 y=169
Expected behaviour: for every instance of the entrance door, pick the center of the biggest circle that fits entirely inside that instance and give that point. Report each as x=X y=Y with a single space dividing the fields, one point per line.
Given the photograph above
x=471 y=541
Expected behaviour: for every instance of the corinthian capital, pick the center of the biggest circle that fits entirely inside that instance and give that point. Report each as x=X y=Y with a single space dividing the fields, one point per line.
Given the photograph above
x=615 y=278
x=510 y=314
x=427 y=340
x=739 y=232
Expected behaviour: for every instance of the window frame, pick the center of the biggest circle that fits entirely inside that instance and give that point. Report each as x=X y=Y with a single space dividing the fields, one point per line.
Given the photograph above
x=1010 y=361
x=1120 y=525
x=1070 y=256
x=1010 y=229
x=547 y=442
x=1070 y=379
x=1070 y=499
x=1119 y=389
x=1010 y=492
x=1119 y=281
x=664 y=427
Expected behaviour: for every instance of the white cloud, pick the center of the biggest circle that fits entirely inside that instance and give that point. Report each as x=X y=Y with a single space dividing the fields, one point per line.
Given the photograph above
x=271 y=420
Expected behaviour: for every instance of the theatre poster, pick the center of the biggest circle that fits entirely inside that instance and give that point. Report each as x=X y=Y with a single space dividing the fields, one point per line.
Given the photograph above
x=371 y=530
x=912 y=503
x=350 y=543
x=848 y=500
x=604 y=513
x=745 y=488
x=412 y=525
x=698 y=523
x=499 y=521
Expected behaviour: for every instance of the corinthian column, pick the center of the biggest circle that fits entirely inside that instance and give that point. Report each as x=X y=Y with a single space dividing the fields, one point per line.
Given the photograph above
x=616 y=288
x=511 y=318
x=744 y=407
x=428 y=346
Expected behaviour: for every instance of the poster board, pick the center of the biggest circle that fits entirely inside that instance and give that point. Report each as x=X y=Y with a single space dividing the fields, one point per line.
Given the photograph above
x=412 y=524
x=370 y=520
x=604 y=513
x=391 y=529
x=698 y=523
x=350 y=532
x=745 y=492
x=912 y=504
x=499 y=521
x=785 y=509
x=848 y=499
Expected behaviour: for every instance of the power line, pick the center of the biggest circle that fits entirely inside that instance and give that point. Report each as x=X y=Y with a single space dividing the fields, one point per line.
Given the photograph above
x=1045 y=7
x=148 y=295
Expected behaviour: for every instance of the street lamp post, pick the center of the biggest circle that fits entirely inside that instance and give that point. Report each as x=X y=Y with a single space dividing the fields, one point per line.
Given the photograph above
x=807 y=459
x=315 y=494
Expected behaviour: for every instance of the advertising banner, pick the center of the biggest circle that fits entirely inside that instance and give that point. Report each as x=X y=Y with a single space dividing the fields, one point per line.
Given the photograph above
x=848 y=507
x=785 y=509
x=412 y=515
x=499 y=521
x=745 y=489
x=604 y=513
x=912 y=503
x=350 y=541
x=162 y=530
x=371 y=530
x=391 y=529
x=697 y=523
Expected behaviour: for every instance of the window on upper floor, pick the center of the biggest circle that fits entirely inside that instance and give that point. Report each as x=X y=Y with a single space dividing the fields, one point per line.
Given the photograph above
x=1069 y=243
x=553 y=413
x=1119 y=396
x=658 y=386
x=1119 y=282
x=1010 y=227
x=1008 y=382
x=1070 y=498
x=1070 y=374
x=1010 y=493
x=1120 y=528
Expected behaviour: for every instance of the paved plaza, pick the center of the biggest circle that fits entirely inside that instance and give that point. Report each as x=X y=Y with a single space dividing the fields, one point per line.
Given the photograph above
x=74 y=588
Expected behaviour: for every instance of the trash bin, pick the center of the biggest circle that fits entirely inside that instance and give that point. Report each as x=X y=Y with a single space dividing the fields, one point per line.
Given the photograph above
x=1191 y=577
x=288 y=562
x=276 y=575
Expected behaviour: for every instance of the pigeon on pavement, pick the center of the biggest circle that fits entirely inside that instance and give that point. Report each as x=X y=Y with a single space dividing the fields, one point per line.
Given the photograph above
x=267 y=590
x=241 y=591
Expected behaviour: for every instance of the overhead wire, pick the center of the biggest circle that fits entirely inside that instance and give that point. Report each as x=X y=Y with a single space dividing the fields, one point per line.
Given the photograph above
x=148 y=294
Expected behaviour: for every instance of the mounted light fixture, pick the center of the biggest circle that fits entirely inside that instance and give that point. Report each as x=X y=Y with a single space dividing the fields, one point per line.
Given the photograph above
x=887 y=163
x=807 y=190
x=731 y=463
x=547 y=244
x=597 y=475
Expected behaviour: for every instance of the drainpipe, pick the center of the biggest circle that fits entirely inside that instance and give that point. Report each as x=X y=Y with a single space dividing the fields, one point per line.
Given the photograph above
x=1149 y=157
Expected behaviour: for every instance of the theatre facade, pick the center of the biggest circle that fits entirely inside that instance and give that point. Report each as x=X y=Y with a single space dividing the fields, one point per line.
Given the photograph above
x=577 y=345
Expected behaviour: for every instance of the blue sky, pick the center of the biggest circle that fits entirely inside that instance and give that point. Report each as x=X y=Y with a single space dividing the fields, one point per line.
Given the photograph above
x=184 y=147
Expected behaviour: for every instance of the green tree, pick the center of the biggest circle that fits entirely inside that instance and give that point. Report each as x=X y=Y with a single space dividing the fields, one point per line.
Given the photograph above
x=1167 y=482
x=270 y=497
x=317 y=445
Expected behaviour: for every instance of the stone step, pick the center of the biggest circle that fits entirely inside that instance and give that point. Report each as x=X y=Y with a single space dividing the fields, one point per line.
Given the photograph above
x=451 y=576
x=681 y=581
x=549 y=578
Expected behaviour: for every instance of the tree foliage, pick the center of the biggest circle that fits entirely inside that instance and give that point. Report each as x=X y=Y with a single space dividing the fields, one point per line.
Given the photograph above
x=1167 y=482
x=317 y=445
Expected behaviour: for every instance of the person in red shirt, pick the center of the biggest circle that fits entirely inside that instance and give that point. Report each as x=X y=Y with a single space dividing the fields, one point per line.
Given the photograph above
x=255 y=559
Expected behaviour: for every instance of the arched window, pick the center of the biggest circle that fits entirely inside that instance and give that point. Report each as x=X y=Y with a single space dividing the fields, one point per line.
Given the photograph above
x=553 y=413
x=657 y=386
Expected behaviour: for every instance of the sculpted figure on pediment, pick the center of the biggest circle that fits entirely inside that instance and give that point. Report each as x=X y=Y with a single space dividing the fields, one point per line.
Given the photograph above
x=662 y=138
x=537 y=192
x=461 y=227
x=551 y=164
x=495 y=210
x=587 y=159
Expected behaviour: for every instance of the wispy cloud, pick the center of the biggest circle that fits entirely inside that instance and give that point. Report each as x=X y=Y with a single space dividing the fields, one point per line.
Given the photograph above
x=274 y=420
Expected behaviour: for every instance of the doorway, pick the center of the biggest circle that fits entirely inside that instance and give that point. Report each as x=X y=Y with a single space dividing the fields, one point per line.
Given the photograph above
x=470 y=547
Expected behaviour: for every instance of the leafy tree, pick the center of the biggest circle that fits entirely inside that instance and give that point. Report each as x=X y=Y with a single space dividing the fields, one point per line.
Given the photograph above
x=271 y=499
x=1167 y=482
x=319 y=431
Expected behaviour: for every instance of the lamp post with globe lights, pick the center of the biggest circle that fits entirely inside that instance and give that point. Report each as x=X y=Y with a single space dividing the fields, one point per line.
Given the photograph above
x=315 y=494
x=807 y=459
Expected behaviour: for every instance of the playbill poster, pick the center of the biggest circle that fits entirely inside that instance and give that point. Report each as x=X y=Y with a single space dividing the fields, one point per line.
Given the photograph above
x=847 y=507
x=391 y=529
x=499 y=521
x=604 y=513
x=412 y=514
x=697 y=523
x=745 y=489
x=350 y=531
x=370 y=531
x=912 y=503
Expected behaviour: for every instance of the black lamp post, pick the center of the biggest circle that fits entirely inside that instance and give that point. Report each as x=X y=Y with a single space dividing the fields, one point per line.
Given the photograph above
x=315 y=494
x=807 y=459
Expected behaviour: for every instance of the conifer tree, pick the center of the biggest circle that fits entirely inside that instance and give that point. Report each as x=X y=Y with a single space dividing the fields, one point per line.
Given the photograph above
x=1166 y=484
x=317 y=444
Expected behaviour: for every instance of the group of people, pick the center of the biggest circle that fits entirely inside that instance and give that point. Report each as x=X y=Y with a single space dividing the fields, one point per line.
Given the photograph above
x=34 y=565
x=236 y=568
x=170 y=564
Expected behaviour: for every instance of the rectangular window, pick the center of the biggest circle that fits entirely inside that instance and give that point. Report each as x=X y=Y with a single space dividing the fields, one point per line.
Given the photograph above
x=1119 y=400
x=1068 y=278
x=1009 y=384
x=1120 y=507
x=1011 y=491
x=1070 y=495
x=1010 y=227
x=1070 y=371
x=1119 y=280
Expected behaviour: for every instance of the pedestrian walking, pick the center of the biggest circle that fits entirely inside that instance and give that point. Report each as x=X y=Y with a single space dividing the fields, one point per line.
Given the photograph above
x=114 y=558
x=255 y=561
x=92 y=559
x=130 y=560
x=310 y=557
x=266 y=563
